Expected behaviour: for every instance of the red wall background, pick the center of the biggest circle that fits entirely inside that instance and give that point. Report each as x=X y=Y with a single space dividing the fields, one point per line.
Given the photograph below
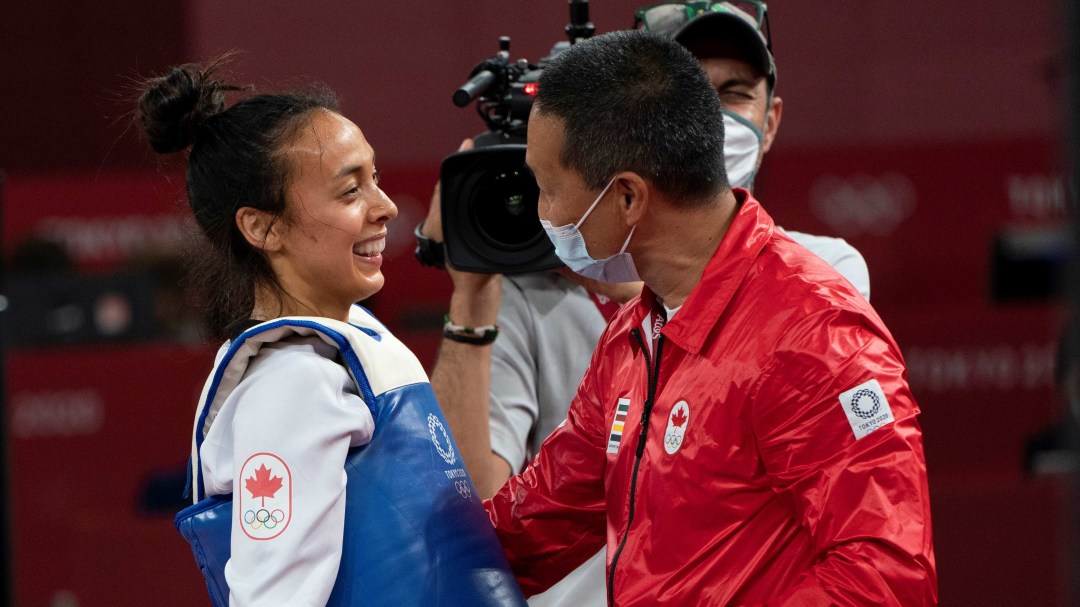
x=918 y=130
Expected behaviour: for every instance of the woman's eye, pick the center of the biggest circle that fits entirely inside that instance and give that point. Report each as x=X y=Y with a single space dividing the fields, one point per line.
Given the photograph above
x=352 y=191
x=375 y=175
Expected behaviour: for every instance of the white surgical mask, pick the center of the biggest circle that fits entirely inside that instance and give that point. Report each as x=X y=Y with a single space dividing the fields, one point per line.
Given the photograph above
x=742 y=147
x=570 y=248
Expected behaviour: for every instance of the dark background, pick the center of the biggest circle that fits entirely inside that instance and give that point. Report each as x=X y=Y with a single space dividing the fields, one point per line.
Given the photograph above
x=927 y=133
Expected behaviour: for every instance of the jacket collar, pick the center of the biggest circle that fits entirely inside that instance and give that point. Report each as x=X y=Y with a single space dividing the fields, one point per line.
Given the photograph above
x=750 y=230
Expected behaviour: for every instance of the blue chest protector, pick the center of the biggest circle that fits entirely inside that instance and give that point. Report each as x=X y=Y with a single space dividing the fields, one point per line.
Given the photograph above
x=415 y=531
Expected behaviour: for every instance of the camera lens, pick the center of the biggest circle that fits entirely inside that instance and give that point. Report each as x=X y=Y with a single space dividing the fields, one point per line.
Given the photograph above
x=505 y=209
x=489 y=213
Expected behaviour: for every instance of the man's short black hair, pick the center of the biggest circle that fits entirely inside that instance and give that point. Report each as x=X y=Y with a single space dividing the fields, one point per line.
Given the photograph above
x=637 y=101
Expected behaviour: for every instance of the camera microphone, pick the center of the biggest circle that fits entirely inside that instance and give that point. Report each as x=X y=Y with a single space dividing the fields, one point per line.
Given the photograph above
x=579 y=27
x=476 y=85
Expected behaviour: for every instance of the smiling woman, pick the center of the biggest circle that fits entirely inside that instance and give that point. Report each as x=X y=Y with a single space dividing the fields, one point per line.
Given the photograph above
x=315 y=437
x=328 y=252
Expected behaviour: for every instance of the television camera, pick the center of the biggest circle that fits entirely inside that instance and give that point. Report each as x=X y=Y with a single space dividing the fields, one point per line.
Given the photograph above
x=489 y=197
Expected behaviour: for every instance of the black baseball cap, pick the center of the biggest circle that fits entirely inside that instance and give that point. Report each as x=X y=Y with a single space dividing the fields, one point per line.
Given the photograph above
x=741 y=23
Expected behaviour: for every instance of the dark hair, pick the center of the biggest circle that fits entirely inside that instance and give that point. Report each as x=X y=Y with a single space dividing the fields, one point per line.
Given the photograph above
x=235 y=161
x=637 y=101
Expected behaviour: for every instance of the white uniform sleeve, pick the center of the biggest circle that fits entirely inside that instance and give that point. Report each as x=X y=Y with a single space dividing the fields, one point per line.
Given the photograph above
x=300 y=407
x=851 y=265
x=514 y=408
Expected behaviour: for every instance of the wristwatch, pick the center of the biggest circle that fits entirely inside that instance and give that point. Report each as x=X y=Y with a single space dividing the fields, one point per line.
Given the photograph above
x=428 y=252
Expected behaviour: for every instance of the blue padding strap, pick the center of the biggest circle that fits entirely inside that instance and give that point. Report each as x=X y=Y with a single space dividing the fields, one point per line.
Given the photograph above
x=342 y=343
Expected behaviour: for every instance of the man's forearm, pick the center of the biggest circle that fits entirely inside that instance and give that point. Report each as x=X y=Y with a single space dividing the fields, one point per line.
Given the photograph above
x=461 y=378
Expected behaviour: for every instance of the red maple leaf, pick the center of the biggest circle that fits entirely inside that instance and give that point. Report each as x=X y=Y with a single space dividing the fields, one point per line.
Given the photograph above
x=262 y=485
x=677 y=418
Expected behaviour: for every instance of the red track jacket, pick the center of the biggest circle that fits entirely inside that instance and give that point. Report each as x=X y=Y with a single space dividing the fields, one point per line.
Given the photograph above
x=765 y=452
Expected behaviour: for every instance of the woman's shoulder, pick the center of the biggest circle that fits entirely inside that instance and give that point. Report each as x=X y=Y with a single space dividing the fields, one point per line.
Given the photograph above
x=296 y=357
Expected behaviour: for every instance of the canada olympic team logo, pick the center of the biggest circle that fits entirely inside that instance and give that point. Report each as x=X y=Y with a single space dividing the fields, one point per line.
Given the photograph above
x=438 y=431
x=678 y=422
x=265 y=496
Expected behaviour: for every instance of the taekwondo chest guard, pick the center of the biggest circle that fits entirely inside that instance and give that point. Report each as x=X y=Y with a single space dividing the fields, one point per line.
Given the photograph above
x=415 y=532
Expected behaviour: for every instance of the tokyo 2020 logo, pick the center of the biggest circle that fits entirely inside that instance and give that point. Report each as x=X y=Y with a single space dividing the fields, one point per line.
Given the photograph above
x=438 y=431
x=865 y=403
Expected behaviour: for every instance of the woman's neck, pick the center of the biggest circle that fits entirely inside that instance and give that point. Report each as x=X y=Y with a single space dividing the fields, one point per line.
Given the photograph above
x=271 y=303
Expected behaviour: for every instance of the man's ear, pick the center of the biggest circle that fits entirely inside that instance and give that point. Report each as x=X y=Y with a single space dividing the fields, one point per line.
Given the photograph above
x=633 y=192
x=259 y=228
x=772 y=123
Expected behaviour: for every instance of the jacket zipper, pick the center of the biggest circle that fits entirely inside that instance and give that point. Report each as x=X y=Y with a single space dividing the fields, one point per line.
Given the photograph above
x=652 y=371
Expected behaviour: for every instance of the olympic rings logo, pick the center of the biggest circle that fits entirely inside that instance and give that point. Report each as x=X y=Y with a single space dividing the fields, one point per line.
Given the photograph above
x=673 y=440
x=257 y=519
x=463 y=489
x=862 y=203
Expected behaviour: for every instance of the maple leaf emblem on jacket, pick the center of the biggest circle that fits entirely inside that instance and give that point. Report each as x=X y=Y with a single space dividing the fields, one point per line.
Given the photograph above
x=262 y=484
x=678 y=417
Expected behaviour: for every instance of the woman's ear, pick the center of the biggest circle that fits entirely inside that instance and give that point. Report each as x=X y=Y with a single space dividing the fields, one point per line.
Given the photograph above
x=259 y=228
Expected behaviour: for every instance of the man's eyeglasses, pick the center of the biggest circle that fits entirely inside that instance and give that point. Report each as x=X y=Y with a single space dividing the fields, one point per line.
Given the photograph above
x=667 y=17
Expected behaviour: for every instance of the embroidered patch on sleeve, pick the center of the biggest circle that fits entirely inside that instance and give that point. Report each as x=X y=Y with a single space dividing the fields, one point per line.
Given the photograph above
x=265 y=496
x=866 y=408
x=617 y=425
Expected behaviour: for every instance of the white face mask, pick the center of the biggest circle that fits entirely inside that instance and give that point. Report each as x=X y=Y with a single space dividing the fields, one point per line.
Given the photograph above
x=742 y=147
x=570 y=248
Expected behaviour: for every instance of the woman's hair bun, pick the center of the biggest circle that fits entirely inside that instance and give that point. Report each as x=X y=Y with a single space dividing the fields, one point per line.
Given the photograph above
x=171 y=107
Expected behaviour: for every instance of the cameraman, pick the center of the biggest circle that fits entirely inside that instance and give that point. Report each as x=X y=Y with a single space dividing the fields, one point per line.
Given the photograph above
x=549 y=323
x=732 y=42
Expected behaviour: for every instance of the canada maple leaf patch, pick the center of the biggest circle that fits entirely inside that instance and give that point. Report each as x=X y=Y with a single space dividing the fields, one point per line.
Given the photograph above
x=262 y=485
x=266 y=496
x=677 y=424
x=678 y=418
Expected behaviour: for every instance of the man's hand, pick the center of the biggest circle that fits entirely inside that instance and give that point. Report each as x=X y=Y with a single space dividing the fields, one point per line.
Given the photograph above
x=476 y=297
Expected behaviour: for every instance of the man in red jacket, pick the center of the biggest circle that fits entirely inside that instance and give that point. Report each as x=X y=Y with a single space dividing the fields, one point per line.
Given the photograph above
x=744 y=434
